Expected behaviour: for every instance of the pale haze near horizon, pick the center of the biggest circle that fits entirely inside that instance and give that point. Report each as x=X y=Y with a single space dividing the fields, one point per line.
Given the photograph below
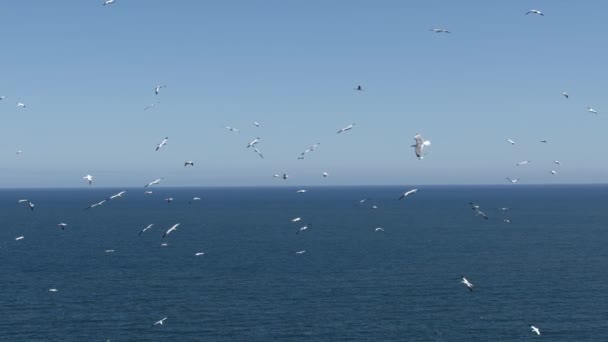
x=87 y=71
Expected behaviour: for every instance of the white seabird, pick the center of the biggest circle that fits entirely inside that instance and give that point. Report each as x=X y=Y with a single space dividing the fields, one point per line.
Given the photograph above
x=116 y=195
x=88 y=178
x=301 y=191
x=565 y=95
x=257 y=124
x=108 y=2
x=22 y=201
x=300 y=252
x=53 y=290
x=162 y=143
x=158 y=88
x=174 y=227
x=347 y=128
x=296 y=219
x=511 y=141
x=407 y=193
x=253 y=142
x=96 y=204
x=553 y=172
x=557 y=162
x=199 y=253
x=147 y=227
x=440 y=30
x=160 y=322
x=303 y=228
x=533 y=11
x=19 y=238
x=284 y=176
x=258 y=152
x=21 y=104
x=525 y=162
x=358 y=88
x=535 y=330
x=231 y=129
x=379 y=229
x=62 y=225
x=325 y=174
x=513 y=181
x=467 y=283
x=420 y=144
x=591 y=110
x=153 y=182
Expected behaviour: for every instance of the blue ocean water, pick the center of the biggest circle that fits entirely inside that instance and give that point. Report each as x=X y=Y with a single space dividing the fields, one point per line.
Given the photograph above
x=547 y=267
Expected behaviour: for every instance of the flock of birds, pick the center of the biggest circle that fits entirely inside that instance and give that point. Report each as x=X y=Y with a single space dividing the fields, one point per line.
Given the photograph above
x=420 y=146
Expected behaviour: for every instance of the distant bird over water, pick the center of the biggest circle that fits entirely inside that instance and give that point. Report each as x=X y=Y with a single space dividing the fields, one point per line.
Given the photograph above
x=108 y=2
x=162 y=143
x=407 y=193
x=420 y=144
x=440 y=30
x=533 y=11
x=347 y=128
x=161 y=322
x=591 y=110
x=535 y=330
x=88 y=178
x=189 y=163
x=467 y=283
x=173 y=228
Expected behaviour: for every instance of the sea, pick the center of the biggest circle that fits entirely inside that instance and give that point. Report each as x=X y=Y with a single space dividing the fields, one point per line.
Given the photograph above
x=548 y=267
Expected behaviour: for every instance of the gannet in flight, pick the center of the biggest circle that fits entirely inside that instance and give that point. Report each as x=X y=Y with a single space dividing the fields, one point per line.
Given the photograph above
x=553 y=172
x=253 y=142
x=467 y=283
x=62 y=225
x=300 y=252
x=199 y=253
x=358 y=88
x=162 y=143
x=19 y=152
x=89 y=179
x=440 y=30
x=535 y=330
x=347 y=128
x=148 y=227
x=511 y=141
x=565 y=95
x=194 y=199
x=557 y=162
x=257 y=124
x=160 y=322
x=480 y=213
x=157 y=89
x=108 y=2
x=513 y=181
x=96 y=204
x=169 y=199
x=525 y=162
x=190 y=162
x=591 y=110
x=2 y=97
x=507 y=221
x=258 y=152
x=296 y=219
x=31 y=205
x=53 y=290
x=303 y=228
x=325 y=174
x=544 y=141
x=301 y=191
x=147 y=192
x=150 y=106
x=232 y=129
x=284 y=176
x=310 y=149
x=153 y=182
x=420 y=144
x=117 y=195
x=407 y=193
x=174 y=227
x=379 y=229
x=533 y=11
x=19 y=238
x=21 y=104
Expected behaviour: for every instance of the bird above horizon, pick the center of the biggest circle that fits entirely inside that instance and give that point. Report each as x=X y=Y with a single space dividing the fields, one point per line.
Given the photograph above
x=62 y=225
x=255 y=149
x=284 y=176
x=325 y=174
x=513 y=181
x=147 y=227
x=154 y=182
x=232 y=129
x=407 y=193
x=257 y=124
x=419 y=146
x=116 y=195
x=378 y=229
x=21 y=104
x=347 y=128
x=253 y=142
x=173 y=228
x=162 y=143
x=158 y=88
x=190 y=162
x=88 y=178
x=533 y=11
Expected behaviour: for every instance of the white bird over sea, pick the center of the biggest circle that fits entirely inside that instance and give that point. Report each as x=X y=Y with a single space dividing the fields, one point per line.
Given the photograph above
x=31 y=205
x=303 y=228
x=296 y=219
x=108 y=2
x=565 y=95
x=533 y=11
x=21 y=104
x=150 y=106
x=22 y=201
x=174 y=227
x=407 y=193
x=258 y=152
x=591 y=110
x=147 y=227
x=53 y=290
x=511 y=141
x=467 y=283
x=347 y=128
x=253 y=142
x=325 y=174
x=162 y=143
x=194 y=199
x=189 y=162
x=158 y=88
x=513 y=181
x=525 y=162
x=169 y=199
x=379 y=229
x=160 y=322
x=109 y=251
x=153 y=182
x=420 y=145
x=19 y=238
x=257 y=124
x=300 y=252
x=96 y=204
x=62 y=225
x=553 y=172
x=440 y=30
x=117 y=195
x=301 y=191
x=199 y=253
x=284 y=176
x=231 y=129
x=89 y=179
x=557 y=162
x=535 y=330
x=147 y=192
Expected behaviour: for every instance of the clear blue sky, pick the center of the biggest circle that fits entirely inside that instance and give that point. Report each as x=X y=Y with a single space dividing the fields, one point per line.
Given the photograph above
x=86 y=72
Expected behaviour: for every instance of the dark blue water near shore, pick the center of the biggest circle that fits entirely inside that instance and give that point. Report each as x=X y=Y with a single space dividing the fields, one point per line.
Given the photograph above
x=548 y=267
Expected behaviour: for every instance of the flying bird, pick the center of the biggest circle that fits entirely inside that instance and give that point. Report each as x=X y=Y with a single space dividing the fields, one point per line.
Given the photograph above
x=591 y=110
x=160 y=322
x=258 y=152
x=296 y=219
x=303 y=228
x=407 y=193
x=153 y=182
x=535 y=330
x=21 y=104
x=557 y=162
x=513 y=181
x=158 y=88
x=379 y=229
x=284 y=176
x=420 y=144
x=565 y=95
x=194 y=199
x=544 y=141
x=162 y=143
x=440 y=30
x=174 y=227
x=199 y=253
x=143 y=230
x=257 y=124
x=95 y=204
x=310 y=149
x=2 y=97
x=169 y=199
x=147 y=192
x=468 y=284
x=325 y=174
x=533 y=11
x=89 y=179
x=253 y=142
x=53 y=290
x=190 y=162
x=525 y=162
x=108 y=2
x=31 y=205
x=116 y=195
x=301 y=191
x=511 y=141
x=231 y=129
x=19 y=238
x=347 y=128
x=553 y=172
x=150 y=106
x=62 y=225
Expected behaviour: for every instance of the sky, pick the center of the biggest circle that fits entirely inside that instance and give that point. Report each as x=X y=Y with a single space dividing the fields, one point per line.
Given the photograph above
x=86 y=72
